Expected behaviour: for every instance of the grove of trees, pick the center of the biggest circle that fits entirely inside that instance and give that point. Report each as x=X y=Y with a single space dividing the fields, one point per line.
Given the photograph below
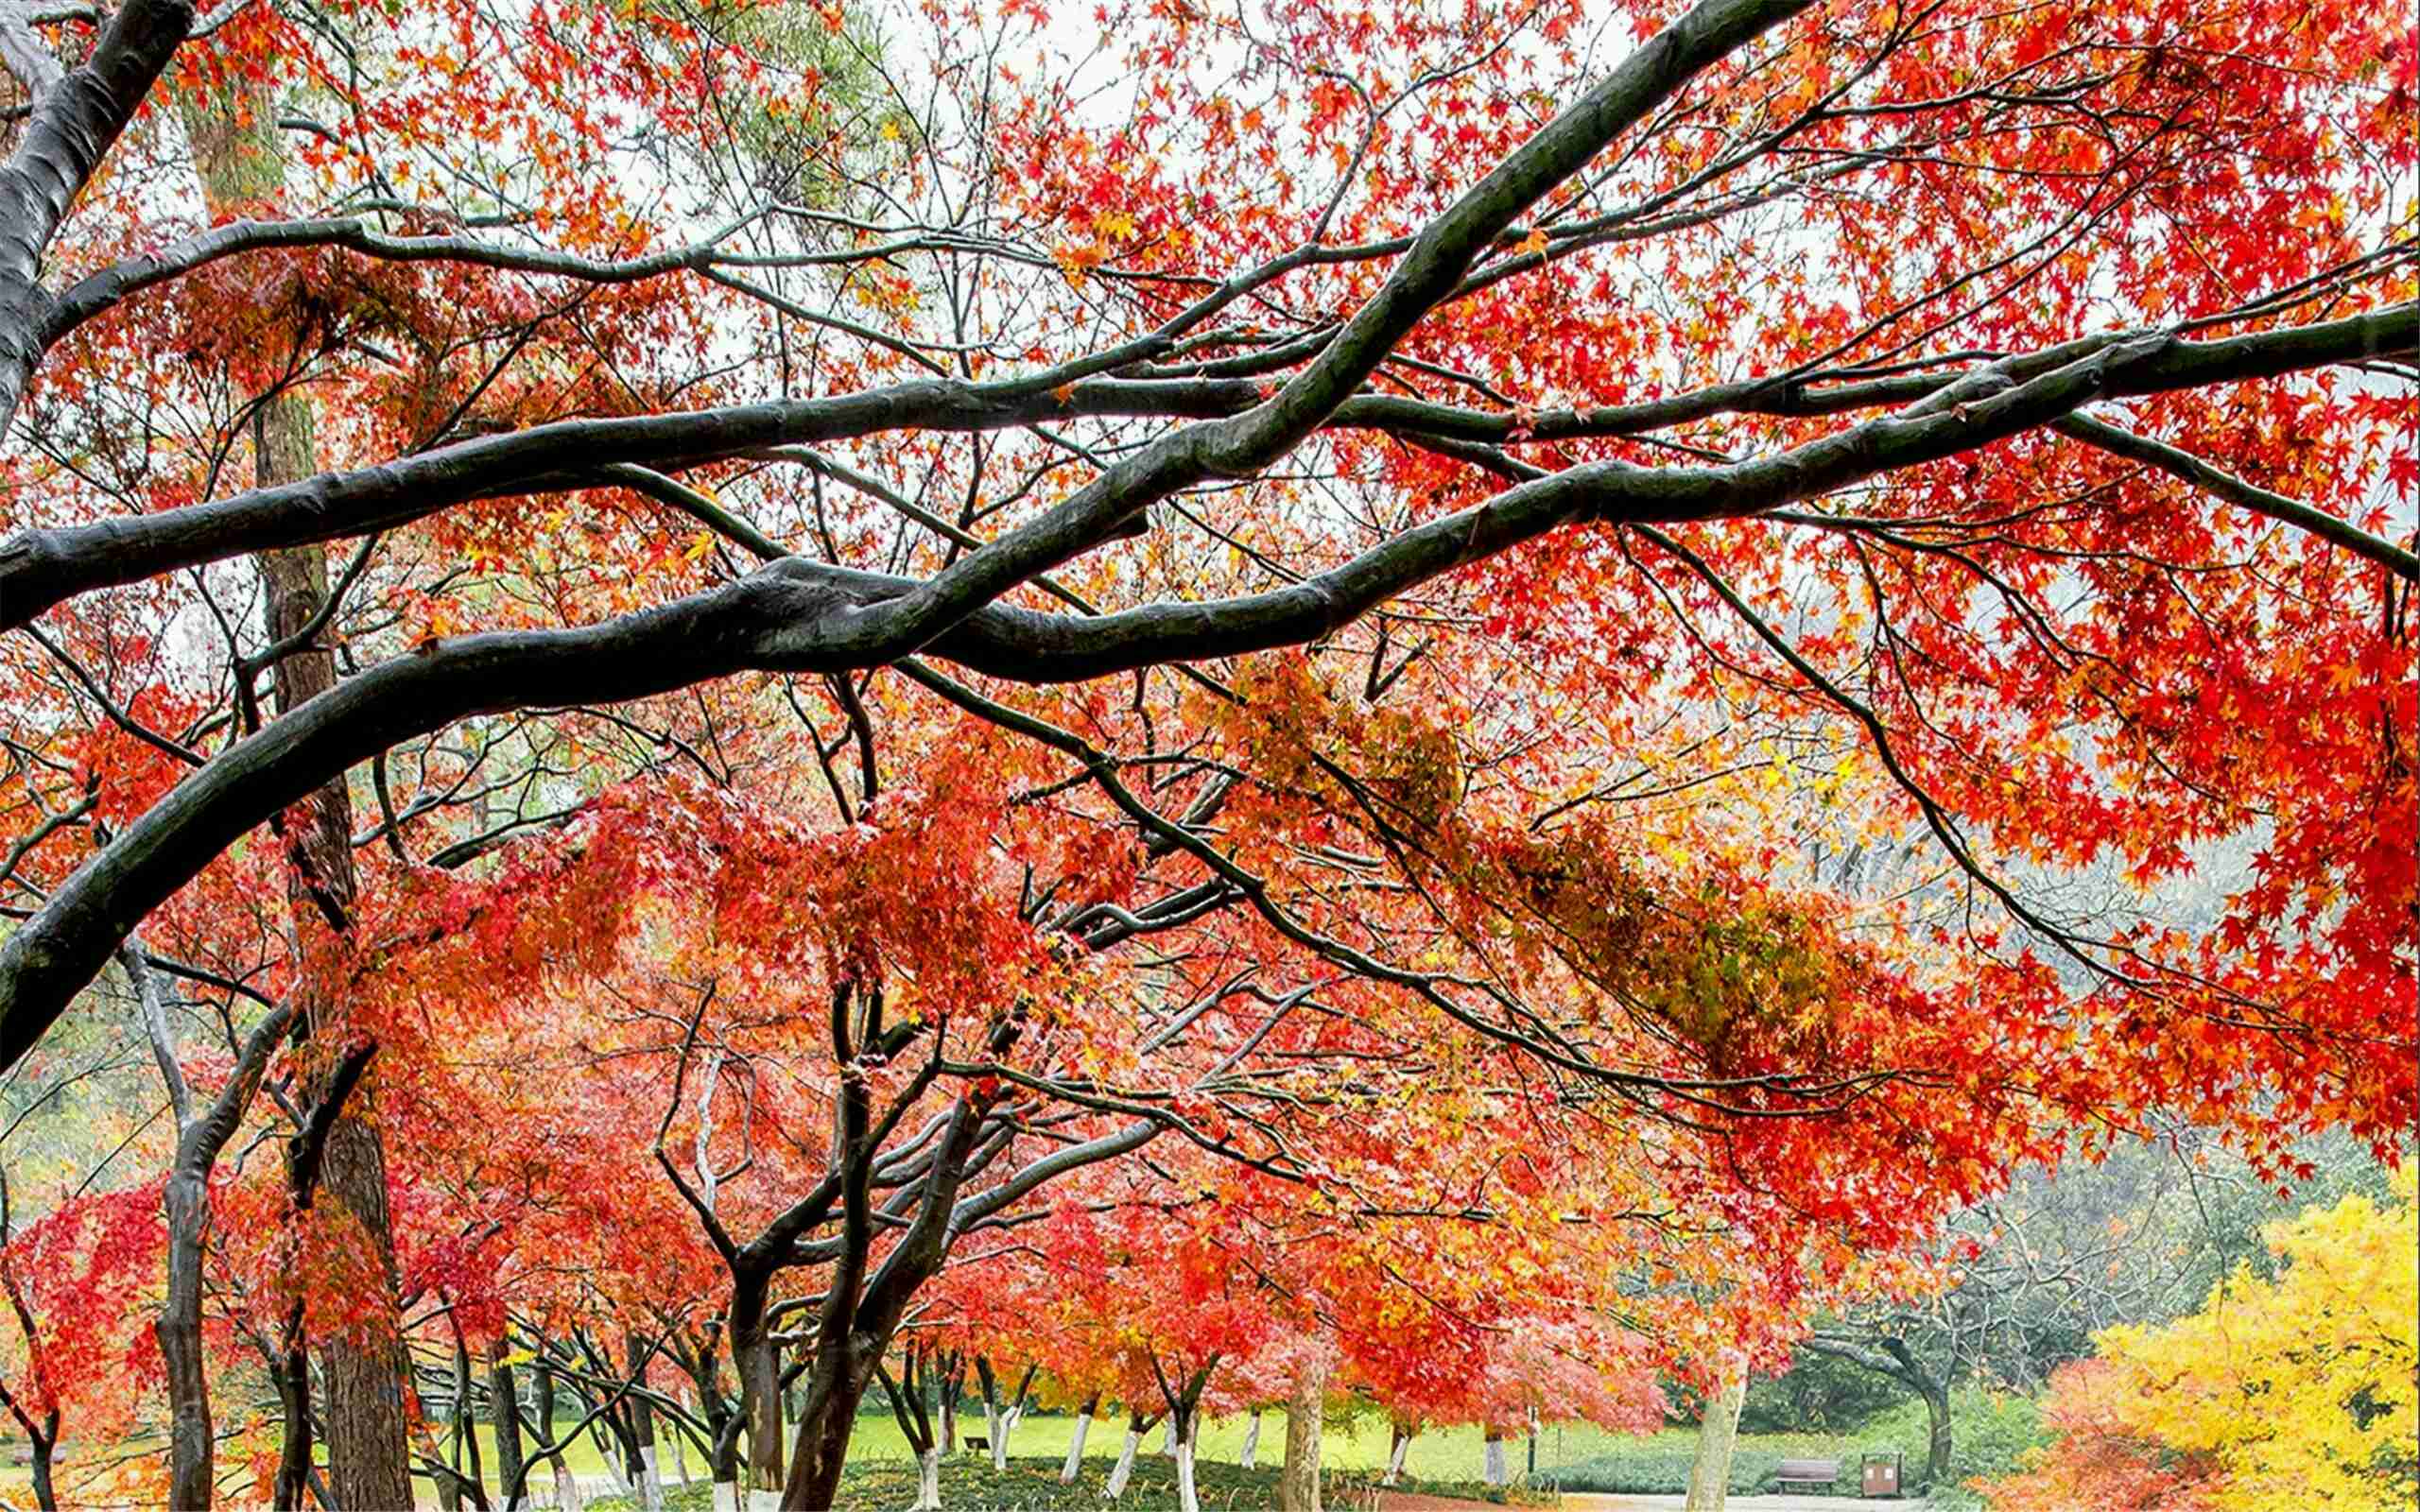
x=730 y=710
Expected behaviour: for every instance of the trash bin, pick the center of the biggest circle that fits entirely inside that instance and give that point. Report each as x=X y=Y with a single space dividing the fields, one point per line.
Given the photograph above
x=1882 y=1474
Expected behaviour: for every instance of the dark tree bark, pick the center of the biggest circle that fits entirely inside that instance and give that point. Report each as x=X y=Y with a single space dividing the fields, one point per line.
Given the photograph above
x=503 y=1416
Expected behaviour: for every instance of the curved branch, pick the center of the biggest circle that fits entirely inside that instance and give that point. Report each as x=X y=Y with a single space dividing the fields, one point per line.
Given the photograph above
x=2183 y=464
x=799 y=617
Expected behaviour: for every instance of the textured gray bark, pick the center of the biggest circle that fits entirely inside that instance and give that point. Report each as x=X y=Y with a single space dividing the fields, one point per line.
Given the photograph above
x=1298 y=1486
x=1718 y=1435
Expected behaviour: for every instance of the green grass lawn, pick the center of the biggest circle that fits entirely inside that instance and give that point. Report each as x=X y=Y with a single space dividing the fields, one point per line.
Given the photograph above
x=968 y=1481
x=1357 y=1448
x=1437 y=1454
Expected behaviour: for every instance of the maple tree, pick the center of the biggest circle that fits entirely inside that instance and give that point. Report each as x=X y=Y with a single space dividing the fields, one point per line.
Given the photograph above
x=1697 y=592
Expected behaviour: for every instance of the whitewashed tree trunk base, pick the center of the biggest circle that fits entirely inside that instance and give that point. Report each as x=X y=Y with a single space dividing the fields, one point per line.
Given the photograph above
x=1252 y=1442
x=1125 y=1467
x=928 y=1481
x=1493 y=1472
x=652 y=1481
x=1188 y=1500
x=1068 y=1472
x=726 y=1496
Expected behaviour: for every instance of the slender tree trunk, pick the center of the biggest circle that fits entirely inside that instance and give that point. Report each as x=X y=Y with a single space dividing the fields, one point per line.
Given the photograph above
x=1251 y=1441
x=239 y=158
x=190 y=1440
x=644 y=1474
x=1298 y=1488
x=293 y=1380
x=1009 y=1417
x=1075 y=1465
x=681 y=1442
x=45 y=1495
x=1189 y=1500
x=1167 y=1437
x=504 y=1413
x=760 y=1383
x=1937 y=1447
x=1718 y=1433
x=952 y=1386
x=1123 y=1470
x=928 y=1480
x=1398 y=1444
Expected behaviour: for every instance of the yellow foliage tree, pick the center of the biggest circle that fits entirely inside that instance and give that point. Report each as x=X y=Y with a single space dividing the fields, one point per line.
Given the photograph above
x=2301 y=1391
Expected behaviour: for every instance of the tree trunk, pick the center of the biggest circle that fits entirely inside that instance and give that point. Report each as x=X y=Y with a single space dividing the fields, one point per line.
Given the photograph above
x=680 y=1440
x=1492 y=1458
x=238 y=155
x=1251 y=1441
x=648 y=1480
x=760 y=1384
x=1009 y=1418
x=1937 y=1470
x=1167 y=1437
x=503 y=1414
x=952 y=1385
x=368 y=1458
x=1187 y=1499
x=928 y=1481
x=1718 y=1432
x=1124 y=1469
x=190 y=1441
x=834 y=1390
x=1075 y=1465
x=45 y=1496
x=1398 y=1444
x=1298 y=1488
x=292 y=1373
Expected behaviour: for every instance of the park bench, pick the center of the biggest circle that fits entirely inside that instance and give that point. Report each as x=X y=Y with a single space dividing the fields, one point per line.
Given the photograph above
x=1804 y=1472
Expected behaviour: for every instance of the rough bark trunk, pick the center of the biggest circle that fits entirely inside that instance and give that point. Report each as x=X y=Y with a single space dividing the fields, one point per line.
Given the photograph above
x=368 y=1458
x=823 y=1431
x=1298 y=1488
x=1251 y=1441
x=1075 y=1465
x=760 y=1385
x=1718 y=1433
x=238 y=155
x=190 y=1441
